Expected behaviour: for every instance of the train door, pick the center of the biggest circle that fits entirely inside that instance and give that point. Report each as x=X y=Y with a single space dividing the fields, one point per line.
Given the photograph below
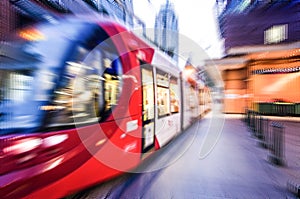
x=148 y=108
x=168 y=116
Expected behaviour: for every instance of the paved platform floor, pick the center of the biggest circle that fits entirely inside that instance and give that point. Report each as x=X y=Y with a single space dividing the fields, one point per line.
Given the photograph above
x=215 y=158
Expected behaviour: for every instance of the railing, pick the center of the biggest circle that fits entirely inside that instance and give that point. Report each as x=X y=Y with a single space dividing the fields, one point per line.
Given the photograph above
x=269 y=134
x=279 y=108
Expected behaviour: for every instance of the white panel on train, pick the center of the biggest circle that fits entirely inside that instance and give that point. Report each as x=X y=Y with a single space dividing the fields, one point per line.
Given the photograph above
x=167 y=89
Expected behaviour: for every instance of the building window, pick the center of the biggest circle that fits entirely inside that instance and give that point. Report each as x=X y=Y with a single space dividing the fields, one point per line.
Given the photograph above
x=276 y=34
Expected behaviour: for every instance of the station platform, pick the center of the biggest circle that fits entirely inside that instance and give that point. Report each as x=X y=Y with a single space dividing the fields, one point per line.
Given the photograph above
x=217 y=157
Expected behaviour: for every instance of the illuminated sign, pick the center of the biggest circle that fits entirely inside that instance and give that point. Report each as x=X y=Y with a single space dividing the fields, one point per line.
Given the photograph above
x=276 y=70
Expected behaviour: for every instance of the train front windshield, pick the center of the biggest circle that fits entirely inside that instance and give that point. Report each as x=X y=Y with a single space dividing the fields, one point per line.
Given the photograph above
x=57 y=76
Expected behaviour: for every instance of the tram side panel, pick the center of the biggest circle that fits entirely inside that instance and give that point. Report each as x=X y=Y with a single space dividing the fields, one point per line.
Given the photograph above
x=208 y=100
x=167 y=100
x=194 y=103
x=203 y=102
x=186 y=110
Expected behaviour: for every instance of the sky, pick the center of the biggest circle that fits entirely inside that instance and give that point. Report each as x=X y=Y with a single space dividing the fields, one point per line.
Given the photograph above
x=196 y=20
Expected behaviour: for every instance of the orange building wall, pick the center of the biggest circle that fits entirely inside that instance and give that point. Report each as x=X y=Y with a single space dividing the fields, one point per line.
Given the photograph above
x=235 y=101
x=237 y=74
x=271 y=87
x=235 y=90
x=243 y=88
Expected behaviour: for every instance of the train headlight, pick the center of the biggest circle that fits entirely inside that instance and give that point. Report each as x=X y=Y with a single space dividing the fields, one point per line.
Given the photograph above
x=188 y=72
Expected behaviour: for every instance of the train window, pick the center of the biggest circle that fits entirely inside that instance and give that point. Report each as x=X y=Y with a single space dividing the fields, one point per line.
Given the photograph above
x=79 y=95
x=174 y=95
x=201 y=97
x=15 y=85
x=192 y=97
x=148 y=93
x=90 y=85
x=163 y=95
x=89 y=89
x=113 y=84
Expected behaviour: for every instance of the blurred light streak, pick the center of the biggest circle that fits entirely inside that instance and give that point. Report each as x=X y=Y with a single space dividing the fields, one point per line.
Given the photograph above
x=55 y=140
x=53 y=164
x=23 y=146
x=280 y=83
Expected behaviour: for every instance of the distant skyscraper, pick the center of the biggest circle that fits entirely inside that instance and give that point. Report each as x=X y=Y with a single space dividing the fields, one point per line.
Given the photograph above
x=166 y=30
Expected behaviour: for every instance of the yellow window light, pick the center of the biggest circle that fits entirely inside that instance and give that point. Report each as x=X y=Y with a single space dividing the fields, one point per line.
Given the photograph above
x=31 y=34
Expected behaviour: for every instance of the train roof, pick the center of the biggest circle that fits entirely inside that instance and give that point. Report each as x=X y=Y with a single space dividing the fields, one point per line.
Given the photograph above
x=159 y=57
x=102 y=19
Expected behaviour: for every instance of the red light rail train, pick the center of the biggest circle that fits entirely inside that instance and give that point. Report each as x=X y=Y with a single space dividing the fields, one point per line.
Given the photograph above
x=82 y=101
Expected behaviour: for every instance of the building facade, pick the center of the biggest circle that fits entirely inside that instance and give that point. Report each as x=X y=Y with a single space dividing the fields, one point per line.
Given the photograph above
x=8 y=19
x=122 y=9
x=17 y=13
x=257 y=22
x=262 y=44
